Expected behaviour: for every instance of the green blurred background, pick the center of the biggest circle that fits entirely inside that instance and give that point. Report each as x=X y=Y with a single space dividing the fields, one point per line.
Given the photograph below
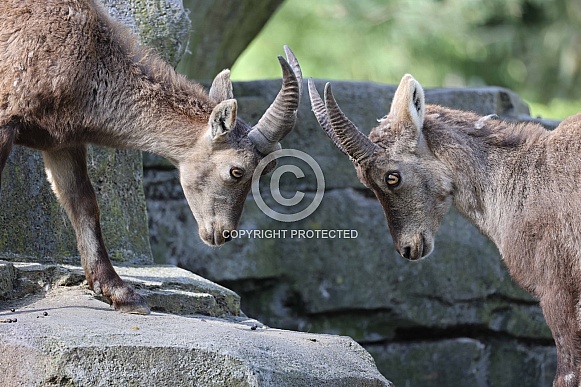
x=530 y=46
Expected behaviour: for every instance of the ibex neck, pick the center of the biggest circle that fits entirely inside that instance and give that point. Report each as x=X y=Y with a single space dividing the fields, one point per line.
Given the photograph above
x=147 y=106
x=484 y=160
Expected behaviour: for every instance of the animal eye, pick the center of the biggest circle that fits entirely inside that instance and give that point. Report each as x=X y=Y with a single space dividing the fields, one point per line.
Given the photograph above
x=392 y=179
x=236 y=173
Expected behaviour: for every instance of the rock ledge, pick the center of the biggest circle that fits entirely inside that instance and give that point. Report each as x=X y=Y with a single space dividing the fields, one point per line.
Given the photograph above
x=67 y=337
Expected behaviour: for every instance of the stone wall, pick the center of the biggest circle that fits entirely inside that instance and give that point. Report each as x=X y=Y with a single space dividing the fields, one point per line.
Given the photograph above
x=454 y=319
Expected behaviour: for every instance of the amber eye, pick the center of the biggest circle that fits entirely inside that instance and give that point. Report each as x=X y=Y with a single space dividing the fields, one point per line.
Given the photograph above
x=236 y=173
x=392 y=179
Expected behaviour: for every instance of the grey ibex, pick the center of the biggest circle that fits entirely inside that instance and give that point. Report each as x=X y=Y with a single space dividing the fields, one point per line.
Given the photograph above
x=518 y=183
x=70 y=76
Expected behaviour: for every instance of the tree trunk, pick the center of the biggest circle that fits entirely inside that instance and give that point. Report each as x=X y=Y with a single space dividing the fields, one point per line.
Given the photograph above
x=221 y=30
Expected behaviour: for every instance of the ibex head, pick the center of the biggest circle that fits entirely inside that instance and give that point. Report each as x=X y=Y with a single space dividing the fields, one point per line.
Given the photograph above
x=217 y=174
x=396 y=164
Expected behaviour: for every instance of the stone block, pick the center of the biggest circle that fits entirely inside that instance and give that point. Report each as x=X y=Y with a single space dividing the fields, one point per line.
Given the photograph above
x=80 y=341
x=452 y=362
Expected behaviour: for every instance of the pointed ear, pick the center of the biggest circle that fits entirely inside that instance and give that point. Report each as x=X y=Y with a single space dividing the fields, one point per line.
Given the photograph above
x=221 y=88
x=408 y=103
x=223 y=118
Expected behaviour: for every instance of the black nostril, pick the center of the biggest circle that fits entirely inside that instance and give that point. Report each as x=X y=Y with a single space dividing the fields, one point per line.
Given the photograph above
x=228 y=238
x=406 y=252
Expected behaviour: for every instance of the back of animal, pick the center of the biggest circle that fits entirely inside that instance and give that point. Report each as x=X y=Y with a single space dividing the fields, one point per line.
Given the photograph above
x=50 y=52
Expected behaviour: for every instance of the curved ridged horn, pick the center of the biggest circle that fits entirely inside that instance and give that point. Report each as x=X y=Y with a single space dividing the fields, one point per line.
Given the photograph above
x=354 y=143
x=280 y=118
x=294 y=63
x=320 y=111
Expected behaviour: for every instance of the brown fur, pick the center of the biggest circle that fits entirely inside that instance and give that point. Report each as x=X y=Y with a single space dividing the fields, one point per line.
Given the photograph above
x=518 y=183
x=70 y=76
x=69 y=73
x=521 y=185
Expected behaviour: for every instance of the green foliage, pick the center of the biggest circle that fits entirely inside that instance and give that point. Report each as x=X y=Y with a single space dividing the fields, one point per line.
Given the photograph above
x=530 y=46
x=557 y=108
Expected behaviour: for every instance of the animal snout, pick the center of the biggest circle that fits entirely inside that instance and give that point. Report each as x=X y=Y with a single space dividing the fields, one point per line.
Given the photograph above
x=406 y=252
x=215 y=236
x=412 y=253
x=417 y=248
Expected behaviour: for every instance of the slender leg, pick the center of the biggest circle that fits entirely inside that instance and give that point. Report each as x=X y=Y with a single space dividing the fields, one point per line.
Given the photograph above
x=7 y=135
x=67 y=173
x=560 y=312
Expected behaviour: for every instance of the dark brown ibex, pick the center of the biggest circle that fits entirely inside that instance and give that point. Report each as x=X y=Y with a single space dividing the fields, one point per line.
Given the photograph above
x=70 y=76
x=518 y=183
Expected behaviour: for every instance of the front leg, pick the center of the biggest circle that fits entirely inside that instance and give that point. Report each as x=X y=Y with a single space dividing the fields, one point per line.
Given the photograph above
x=7 y=135
x=560 y=311
x=67 y=172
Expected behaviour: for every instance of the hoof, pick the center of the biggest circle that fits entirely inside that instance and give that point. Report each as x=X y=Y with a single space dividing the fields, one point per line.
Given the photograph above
x=133 y=308
x=128 y=301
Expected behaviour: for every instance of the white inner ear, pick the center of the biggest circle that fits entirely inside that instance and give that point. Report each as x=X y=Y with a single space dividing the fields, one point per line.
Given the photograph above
x=223 y=118
x=417 y=104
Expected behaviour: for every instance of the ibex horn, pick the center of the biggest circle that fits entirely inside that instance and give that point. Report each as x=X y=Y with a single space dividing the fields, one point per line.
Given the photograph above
x=280 y=118
x=320 y=111
x=354 y=143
